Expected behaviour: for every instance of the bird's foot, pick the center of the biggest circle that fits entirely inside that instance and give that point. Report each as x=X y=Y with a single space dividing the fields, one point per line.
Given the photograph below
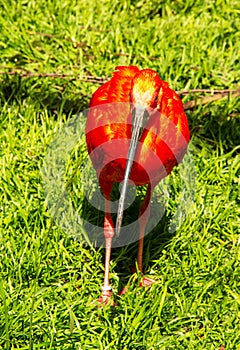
x=106 y=297
x=146 y=281
x=125 y=289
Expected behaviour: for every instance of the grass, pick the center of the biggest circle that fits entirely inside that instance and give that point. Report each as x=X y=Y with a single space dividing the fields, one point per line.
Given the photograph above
x=49 y=280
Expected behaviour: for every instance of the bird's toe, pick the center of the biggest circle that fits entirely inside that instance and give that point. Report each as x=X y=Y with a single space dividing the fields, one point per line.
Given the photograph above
x=106 y=299
x=146 y=281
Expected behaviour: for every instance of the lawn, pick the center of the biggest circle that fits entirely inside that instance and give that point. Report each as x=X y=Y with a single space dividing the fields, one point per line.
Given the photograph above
x=54 y=55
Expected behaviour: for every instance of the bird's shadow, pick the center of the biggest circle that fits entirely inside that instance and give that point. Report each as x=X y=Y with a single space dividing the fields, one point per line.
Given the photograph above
x=154 y=243
x=124 y=257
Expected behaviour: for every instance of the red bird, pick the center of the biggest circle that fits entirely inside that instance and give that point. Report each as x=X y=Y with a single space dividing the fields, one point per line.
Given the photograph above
x=136 y=131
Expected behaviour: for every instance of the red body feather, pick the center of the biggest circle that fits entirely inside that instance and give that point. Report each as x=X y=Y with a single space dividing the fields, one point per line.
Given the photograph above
x=163 y=142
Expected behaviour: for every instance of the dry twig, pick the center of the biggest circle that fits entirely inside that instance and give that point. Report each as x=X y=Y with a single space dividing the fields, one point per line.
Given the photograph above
x=208 y=99
x=215 y=94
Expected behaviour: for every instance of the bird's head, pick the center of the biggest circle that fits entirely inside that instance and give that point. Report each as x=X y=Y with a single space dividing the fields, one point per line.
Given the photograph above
x=145 y=89
x=143 y=99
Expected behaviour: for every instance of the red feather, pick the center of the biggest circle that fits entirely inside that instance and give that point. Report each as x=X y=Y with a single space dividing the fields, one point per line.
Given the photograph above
x=166 y=135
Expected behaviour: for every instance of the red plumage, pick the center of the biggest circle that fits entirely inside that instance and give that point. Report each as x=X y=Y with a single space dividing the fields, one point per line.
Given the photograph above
x=167 y=140
x=162 y=142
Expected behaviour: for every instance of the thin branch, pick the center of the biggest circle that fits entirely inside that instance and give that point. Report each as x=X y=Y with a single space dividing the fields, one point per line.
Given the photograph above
x=25 y=73
x=206 y=91
x=216 y=94
x=208 y=99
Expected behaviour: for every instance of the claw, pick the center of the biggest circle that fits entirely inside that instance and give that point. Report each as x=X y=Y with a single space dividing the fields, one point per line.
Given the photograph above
x=106 y=298
x=125 y=290
x=146 y=281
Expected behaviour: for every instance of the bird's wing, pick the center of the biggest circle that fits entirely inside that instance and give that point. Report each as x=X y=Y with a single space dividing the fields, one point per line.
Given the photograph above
x=117 y=89
x=106 y=108
x=108 y=116
x=172 y=107
x=166 y=135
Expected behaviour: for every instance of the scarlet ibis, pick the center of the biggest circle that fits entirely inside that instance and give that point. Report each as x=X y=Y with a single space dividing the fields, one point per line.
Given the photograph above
x=138 y=109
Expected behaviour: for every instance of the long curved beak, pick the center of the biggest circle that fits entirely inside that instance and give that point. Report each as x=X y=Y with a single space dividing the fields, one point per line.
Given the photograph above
x=139 y=118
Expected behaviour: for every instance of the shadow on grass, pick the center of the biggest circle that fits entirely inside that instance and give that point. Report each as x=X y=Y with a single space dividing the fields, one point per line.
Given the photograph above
x=125 y=257
x=217 y=124
x=62 y=96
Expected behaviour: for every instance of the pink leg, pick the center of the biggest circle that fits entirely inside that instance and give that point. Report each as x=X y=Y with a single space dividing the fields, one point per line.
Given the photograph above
x=142 y=219
x=108 y=234
x=144 y=214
